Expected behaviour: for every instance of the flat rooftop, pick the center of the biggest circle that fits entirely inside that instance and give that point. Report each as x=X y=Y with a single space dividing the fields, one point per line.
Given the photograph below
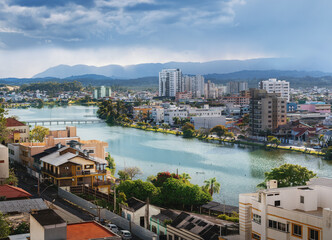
x=317 y=213
x=47 y=217
x=87 y=230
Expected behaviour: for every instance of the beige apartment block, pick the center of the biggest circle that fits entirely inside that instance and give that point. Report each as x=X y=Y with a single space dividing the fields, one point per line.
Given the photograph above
x=4 y=165
x=291 y=213
x=267 y=111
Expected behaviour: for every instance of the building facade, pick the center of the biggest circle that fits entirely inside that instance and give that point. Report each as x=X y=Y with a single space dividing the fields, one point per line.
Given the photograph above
x=267 y=111
x=19 y=132
x=273 y=85
x=236 y=87
x=170 y=82
x=4 y=165
x=290 y=213
x=102 y=92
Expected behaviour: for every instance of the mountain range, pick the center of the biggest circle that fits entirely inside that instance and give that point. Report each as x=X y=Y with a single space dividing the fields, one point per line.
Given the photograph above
x=152 y=69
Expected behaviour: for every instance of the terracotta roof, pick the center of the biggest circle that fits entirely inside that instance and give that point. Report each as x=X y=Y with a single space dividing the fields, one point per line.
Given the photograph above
x=87 y=230
x=12 y=122
x=11 y=192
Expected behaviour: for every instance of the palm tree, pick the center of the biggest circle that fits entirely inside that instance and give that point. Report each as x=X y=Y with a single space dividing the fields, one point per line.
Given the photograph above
x=212 y=186
x=185 y=177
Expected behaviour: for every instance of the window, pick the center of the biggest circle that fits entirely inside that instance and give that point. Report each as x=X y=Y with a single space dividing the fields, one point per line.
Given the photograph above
x=90 y=166
x=301 y=199
x=256 y=236
x=278 y=225
x=128 y=217
x=277 y=203
x=256 y=218
x=313 y=234
x=297 y=230
x=154 y=229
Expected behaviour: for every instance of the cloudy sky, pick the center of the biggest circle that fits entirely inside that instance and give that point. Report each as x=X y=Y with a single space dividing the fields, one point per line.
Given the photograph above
x=37 y=34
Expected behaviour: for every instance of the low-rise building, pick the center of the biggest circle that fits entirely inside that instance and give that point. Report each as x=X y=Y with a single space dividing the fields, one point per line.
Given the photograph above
x=208 y=122
x=158 y=223
x=19 y=132
x=292 y=213
x=171 y=113
x=136 y=212
x=190 y=227
x=4 y=165
x=71 y=167
x=315 y=107
x=183 y=96
x=157 y=114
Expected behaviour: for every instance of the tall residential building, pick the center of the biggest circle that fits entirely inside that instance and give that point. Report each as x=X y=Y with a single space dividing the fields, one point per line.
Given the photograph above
x=236 y=87
x=170 y=82
x=267 y=111
x=273 y=85
x=210 y=90
x=291 y=213
x=193 y=84
x=101 y=92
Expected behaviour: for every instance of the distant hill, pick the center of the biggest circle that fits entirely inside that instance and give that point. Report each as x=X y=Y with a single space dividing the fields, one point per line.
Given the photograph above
x=296 y=78
x=152 y=69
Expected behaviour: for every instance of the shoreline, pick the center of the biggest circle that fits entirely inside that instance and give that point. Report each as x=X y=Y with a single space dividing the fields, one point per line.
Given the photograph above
x=238 y=142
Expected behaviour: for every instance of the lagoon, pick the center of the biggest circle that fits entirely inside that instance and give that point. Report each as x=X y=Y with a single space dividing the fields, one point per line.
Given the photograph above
x=238 y=168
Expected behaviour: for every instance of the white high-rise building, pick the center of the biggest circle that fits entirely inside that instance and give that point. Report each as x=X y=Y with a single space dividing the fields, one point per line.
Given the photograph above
x=193 y=84
x=170 y=82
x=101 y=92
x=273 y=85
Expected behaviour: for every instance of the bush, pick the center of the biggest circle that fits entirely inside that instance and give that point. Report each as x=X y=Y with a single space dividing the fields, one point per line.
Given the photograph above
x=228 y=218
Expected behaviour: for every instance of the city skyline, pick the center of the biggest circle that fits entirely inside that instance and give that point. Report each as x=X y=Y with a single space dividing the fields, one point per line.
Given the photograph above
x=36 y=35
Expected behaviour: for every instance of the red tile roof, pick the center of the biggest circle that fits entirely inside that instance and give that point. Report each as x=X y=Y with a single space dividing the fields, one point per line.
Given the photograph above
x=11 y=192
x=87 y=230
x=12 y=122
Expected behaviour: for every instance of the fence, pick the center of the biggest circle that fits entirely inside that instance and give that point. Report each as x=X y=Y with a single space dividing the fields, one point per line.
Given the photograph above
x=108 y=215
x=91 y=191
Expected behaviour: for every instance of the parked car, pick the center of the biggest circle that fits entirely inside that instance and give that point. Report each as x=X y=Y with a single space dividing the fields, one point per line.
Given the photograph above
x=125 y=235
x=113 y=228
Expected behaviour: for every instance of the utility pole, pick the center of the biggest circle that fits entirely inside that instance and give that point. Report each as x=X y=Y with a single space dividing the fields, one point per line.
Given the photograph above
x=114 y=199
x=147 y=212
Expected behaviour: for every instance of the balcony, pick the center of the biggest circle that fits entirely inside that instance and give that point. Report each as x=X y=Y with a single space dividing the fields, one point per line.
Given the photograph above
x=70 y=174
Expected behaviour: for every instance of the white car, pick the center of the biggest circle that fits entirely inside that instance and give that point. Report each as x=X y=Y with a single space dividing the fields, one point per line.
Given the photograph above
x=113 y=227
x=126 y=235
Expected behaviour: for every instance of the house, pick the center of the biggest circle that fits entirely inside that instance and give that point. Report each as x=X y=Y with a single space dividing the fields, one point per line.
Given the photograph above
x=70 y=166
x=22 y=206
x=139 y=212
x=48 y=225
x=216 y=208
x=64 y=137
x=13 y=193
x=4 y=165
x=19 y=132
x=292 y=213
x=190 y=227
x=158 y=223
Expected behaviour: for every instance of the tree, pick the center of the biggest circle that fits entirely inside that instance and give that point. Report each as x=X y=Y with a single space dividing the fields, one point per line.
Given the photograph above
x=139 y=189
x=219 y=130
x=39 y=133
x=188 y=130
x=111 y=163
x=4 y=133
x=212 y=186
x=12 y=179
x=164 y=126
x=4 y=226
x=176 y=120
x=129 y=173
x=185 y=177
x=321 y=140
x=273 y=140
x=229 y=135
x=288 y=175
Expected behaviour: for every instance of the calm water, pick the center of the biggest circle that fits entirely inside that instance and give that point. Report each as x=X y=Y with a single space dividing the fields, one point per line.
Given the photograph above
x=238 y=169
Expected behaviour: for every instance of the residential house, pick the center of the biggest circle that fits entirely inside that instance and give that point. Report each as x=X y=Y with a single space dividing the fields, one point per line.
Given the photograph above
x=191 y=227
x=48 y=225
x=292 y=213
x=9 y=192
x=159 y=222
x=71 y=167
x=19 y=132
x=139 y=212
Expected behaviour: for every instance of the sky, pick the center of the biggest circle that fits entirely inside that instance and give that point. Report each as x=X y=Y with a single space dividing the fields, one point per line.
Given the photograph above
x=38 y=34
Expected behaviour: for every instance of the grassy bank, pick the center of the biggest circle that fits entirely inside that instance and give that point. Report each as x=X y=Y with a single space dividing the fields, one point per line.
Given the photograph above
x=244 y=142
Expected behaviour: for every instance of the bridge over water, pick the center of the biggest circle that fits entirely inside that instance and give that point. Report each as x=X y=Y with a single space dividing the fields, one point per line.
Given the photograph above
x=63 y=121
